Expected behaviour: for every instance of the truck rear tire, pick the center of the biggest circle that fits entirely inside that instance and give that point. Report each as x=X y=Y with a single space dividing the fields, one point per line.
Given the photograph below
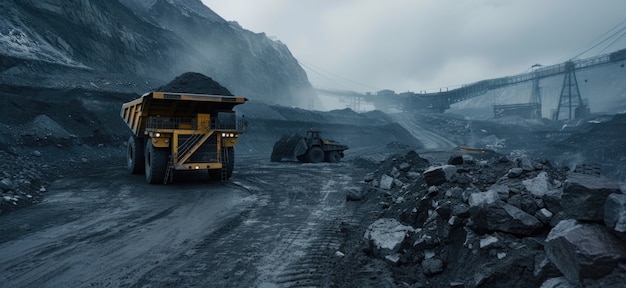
x=135 y=156
x=333 y=157
x=156 y=163
x=315 y=155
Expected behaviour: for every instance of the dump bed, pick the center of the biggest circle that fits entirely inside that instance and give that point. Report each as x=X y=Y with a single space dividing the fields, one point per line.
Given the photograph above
x=173 y=105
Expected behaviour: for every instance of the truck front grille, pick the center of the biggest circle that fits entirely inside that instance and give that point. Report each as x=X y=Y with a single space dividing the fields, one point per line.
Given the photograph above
x=207 y=153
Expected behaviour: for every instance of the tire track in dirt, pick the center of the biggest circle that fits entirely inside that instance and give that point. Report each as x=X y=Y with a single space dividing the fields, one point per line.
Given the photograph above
x=287 y=238
x=113 y=242
x=305 y=257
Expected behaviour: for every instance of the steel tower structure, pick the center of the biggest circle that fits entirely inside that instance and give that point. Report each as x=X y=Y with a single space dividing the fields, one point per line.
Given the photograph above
x=570 y=98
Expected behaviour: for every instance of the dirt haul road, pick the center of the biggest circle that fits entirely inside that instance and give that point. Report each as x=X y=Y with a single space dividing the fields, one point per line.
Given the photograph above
x=272 y=225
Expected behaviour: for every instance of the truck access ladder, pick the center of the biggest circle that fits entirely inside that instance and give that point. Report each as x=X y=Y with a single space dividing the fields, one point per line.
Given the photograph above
x=168 y=171
x=224 y=170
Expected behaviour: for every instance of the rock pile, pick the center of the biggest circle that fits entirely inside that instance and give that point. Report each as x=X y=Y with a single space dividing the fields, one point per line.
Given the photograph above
x=22 y=181
x=496 y=223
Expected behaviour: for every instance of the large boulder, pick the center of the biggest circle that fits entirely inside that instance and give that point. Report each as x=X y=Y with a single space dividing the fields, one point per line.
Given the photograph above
x=615 y=214
x=584 y=196
x=439 y=174
x=432 y=266
x=583 y=251
x=455 y=160
x=386 y=182
x=386 y=236
x=544 y=268
x=480 y=198
x=525 y=163
x=552 y=200
x=538 y=186
x=503 y=217
x=557 y=282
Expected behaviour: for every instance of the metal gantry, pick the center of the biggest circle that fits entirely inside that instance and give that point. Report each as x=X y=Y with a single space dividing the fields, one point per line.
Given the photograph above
x=570 y=98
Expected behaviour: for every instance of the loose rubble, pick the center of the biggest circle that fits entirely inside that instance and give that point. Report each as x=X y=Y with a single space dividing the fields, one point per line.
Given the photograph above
x=22 y=181
x=463 y=220
x=496 y=222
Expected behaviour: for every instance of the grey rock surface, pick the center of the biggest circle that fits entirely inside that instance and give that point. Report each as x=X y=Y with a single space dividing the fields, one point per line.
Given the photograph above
x=583 y=251
x=584 y=196
x=615 y=214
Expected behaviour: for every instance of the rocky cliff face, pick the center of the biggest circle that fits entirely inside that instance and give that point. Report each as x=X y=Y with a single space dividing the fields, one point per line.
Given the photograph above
x=138 y=45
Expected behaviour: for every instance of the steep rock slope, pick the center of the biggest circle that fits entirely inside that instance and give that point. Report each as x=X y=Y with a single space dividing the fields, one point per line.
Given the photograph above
x=96 y=35
x=138 y=45
x=233 y=55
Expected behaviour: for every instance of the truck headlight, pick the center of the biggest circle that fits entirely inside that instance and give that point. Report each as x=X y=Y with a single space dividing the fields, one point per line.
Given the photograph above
x=157 y=134
x=223 y=134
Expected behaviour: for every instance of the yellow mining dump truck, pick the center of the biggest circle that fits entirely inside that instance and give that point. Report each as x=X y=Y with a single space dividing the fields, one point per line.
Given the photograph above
x=182 y=132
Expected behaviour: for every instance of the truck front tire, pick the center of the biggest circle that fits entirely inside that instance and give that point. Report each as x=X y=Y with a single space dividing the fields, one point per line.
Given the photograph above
x=231 y=162
x=135 y=156
x=156 y=163
x=315 y=155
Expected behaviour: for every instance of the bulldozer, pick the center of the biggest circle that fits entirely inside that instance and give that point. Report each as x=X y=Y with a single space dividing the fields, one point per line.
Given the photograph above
x=311 y=148
x=182 y=132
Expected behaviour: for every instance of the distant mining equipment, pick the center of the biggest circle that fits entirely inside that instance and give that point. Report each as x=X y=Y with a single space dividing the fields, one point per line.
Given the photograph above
x=570 y=104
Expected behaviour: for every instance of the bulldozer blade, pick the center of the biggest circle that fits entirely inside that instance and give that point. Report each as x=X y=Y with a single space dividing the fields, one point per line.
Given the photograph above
x=288 y=146
x=301 y=148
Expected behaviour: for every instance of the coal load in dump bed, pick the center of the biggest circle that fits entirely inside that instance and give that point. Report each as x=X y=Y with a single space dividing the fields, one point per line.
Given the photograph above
x=194 y=83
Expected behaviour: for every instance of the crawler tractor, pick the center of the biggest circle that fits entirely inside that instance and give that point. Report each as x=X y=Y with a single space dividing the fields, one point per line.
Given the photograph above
x=182 y=132
x=310 y=149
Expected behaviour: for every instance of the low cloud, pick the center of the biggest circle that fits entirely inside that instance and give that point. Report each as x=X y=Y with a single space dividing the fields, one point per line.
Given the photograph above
x=407 y=45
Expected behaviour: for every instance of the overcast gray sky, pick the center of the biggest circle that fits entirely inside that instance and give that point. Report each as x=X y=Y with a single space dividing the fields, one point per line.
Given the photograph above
x=416 y=45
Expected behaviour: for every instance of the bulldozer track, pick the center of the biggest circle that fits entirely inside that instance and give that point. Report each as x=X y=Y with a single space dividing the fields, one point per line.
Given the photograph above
x=311 y=269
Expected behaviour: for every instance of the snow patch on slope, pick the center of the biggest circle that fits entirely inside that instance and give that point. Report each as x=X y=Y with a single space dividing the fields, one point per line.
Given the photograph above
x=15 y=42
